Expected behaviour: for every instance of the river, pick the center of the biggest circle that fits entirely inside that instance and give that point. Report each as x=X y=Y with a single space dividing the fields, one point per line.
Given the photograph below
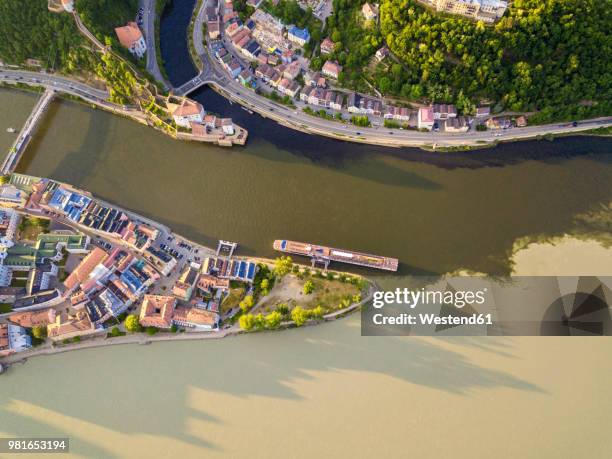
x=324 y=391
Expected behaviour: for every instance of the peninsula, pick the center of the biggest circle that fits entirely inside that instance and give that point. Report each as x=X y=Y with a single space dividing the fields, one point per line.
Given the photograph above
x=78 y=272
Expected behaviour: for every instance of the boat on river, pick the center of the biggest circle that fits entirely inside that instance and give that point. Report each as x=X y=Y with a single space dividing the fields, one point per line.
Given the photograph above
x=324 y=255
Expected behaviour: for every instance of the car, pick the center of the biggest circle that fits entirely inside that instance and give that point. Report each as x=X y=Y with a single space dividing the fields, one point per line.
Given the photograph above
x=180 y=256
x=391 y=132
x=358 y=133
x=574 y=123
x=436 y=127
x=108 y=246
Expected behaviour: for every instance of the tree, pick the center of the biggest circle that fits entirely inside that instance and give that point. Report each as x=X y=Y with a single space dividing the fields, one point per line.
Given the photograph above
x=273 y=320
x=39 y=332
x=317 y=313
x=283 y=309
x=265 y=287
x=247 y=303
x=299 y=316
x=132 y=323
x=115 y=331
x=282 y=266
x=246 y=321
x=309 y=287
x=151 y=331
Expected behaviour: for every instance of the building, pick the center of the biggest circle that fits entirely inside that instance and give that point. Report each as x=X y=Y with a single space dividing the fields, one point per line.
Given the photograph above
x=13 y=338
x=83 y=271
x=382 y=53
x=288 y=87
x=11 y=196
x=31 y=319
x=397 y=113
x=316 y=80
x=480 y=10
x=197 y=318
x=332 y=69
x=292 y=70
x=327 y=46
x=425 y=118
x=68 y=5
x=521 y=121
x=369 y=11
x=69 y=326
x=157 y=310
x=188 y=111
x=131 y=38
x=457 y=124
x=183 y=288
x=227 y=125
x=298 y=36
x=444 y=111
x=364 y=105
x=482 y=112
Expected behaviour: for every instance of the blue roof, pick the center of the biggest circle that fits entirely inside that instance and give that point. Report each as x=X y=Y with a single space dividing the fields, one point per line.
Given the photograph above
x=300 y=33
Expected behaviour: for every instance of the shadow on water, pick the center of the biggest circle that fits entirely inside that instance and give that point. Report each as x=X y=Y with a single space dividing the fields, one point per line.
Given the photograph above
x=258 y=368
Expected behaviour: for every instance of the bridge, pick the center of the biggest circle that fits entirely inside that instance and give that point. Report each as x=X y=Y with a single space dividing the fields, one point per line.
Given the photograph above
x=20 y=144
x=204 y=77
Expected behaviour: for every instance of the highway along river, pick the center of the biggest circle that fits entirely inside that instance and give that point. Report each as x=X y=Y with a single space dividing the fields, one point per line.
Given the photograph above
x=324 y=391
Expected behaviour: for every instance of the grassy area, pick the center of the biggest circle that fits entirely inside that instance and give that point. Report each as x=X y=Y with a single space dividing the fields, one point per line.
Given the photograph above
x=19 y=282
x=330 y=293
x=232 y=299
x=31 y=227
x=5 y=307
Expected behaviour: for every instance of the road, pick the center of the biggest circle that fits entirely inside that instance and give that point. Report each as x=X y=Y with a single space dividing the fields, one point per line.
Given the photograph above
x=68 y=86
x=296 y=119
x=148 y=26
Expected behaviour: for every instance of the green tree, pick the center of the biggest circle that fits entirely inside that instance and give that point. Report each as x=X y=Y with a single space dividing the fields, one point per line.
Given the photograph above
x=151 y=331
x=317 y=313
x=265 y=287
x=39 y=332
x=132 y=323
x=247 y=303
x=246 y=321
x=299 y=316
x=273 y=320
x=309 y=287
x=282 y=266
x=115 y=331
x=283 y=309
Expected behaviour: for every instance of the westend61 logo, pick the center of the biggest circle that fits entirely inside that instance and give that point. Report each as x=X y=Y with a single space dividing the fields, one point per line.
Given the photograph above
x=478 y=305
x=413 y=298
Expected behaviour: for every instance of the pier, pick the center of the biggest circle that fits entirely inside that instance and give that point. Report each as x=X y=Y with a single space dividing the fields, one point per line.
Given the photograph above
x=14 y=154
x=322 y=255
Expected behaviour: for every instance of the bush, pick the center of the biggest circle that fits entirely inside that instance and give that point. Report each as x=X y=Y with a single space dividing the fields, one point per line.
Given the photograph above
x=132 y=323
x=309 y=287
x=115 y=331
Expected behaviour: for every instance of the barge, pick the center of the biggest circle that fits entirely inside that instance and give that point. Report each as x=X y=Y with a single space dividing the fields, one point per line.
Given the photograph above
x=325 y=255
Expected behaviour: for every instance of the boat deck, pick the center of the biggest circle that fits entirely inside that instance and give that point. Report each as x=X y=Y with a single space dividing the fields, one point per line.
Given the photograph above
x=320 y=252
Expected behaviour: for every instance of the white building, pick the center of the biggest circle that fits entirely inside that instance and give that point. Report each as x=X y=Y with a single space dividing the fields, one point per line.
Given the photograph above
x=425 y=118
x=131 y=37
x=188 y=111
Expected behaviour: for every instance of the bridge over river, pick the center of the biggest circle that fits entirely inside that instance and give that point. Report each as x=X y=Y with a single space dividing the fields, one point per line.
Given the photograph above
x=20 y=144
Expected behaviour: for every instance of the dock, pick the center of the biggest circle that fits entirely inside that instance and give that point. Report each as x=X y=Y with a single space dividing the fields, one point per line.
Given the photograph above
x=14 y=154
x=324 y=255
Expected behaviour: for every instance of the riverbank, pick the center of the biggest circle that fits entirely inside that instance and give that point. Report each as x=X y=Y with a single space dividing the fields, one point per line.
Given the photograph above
x=102 y=339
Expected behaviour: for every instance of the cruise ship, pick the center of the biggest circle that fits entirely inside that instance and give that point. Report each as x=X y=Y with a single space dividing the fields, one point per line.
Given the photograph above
x=320 y=253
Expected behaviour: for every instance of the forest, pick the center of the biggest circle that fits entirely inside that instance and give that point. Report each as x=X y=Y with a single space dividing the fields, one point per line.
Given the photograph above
x=551 y=56
x=30 y=31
